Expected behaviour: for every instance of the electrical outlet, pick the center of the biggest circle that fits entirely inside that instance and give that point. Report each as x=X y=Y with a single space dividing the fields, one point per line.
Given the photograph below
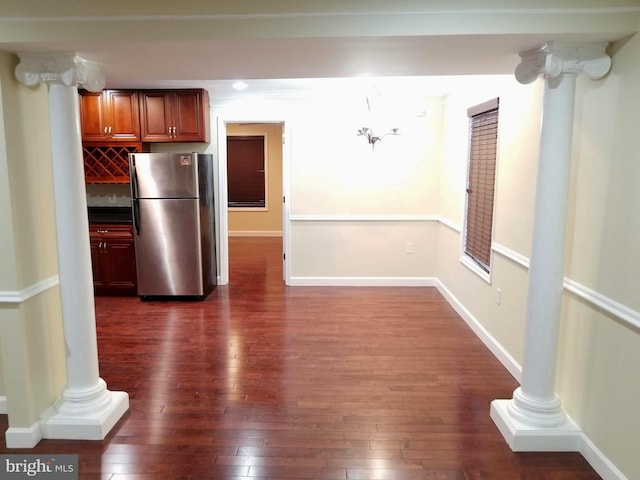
x=498 y=296
x=408 y=248
x=111 y=199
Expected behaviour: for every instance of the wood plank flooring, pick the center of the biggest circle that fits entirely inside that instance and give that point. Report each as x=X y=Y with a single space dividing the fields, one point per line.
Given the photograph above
x=272 y=382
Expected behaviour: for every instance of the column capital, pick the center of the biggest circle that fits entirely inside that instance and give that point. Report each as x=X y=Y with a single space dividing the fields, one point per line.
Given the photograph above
x=59 y=68
x=556 y=58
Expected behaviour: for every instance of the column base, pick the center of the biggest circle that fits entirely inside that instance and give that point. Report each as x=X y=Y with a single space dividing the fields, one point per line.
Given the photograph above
x=522 y=437
x=62 y=422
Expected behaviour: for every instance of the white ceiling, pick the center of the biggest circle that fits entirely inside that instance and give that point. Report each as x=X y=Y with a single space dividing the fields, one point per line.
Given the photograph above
x=278 y=45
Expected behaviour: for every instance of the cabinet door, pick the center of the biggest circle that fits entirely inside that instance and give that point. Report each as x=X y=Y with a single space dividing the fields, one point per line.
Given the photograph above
x=113 y=259
x=191 y=116
x=123 y=117
x=92 y=116
x=109 y=116
x=120 y=271
x=156 y=118
x=96 y=260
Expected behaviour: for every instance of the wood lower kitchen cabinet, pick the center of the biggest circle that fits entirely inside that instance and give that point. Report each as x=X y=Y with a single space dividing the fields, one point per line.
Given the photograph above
x=110 y=116
x=113 y=259
x=174 y=115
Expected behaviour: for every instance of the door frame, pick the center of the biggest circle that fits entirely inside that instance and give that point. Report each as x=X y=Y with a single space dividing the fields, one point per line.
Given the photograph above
x=223 y=219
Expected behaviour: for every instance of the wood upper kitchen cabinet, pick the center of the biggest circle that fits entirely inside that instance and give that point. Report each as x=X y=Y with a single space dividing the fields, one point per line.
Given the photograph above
x=174 y=115
x=113 y=259
x=110 y=116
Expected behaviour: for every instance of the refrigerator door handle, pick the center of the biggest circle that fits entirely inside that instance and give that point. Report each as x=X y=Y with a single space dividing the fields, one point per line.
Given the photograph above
x=134 y=194
x=134 y=178
x=136 y=216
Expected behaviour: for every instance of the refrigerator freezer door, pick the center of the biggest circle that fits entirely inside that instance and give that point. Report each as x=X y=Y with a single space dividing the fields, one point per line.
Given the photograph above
x=168 y=248
x=164 y=175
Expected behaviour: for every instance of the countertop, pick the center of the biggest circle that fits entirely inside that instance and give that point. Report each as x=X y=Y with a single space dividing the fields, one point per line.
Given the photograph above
x=110 y=215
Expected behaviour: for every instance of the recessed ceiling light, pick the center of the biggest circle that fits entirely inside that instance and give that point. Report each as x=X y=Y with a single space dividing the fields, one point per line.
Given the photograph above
x=239 y=85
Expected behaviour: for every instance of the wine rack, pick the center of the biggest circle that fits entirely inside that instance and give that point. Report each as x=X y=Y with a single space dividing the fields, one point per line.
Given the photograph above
x=107 y=163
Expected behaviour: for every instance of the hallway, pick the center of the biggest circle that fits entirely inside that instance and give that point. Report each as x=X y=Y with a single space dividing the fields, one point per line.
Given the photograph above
x=272 y=382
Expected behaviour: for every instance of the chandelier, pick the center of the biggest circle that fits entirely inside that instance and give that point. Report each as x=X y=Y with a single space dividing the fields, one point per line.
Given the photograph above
x=377 y=116
x=373 y=138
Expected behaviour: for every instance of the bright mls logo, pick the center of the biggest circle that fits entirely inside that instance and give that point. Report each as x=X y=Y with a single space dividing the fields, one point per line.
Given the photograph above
x=51 y=467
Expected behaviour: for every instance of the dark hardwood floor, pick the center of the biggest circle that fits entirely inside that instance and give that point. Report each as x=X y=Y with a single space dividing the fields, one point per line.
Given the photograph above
x=272 y=382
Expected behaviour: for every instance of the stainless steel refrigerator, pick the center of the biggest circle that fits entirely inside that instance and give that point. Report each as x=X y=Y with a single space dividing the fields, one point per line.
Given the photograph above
x=173 y=219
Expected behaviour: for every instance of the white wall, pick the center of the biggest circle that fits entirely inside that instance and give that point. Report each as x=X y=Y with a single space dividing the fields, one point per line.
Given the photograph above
x=356 y=211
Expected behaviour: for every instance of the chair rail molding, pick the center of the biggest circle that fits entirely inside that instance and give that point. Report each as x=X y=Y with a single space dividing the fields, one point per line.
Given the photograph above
x=21 y=296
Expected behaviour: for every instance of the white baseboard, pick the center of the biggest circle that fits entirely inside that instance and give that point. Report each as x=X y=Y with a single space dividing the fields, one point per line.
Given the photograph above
x=362 y=281
x=23 y=437
x=255 y=233
x=3 y=405
x=598 y=460
x=490 y=342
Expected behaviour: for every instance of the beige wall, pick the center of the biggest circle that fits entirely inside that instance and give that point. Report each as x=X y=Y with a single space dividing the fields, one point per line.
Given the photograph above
x=519 y=128
x=31 y=339
x=598 y=372
x=269 y=221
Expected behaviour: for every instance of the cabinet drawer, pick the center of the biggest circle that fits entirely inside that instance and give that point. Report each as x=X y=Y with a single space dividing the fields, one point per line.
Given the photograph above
x=111 y=230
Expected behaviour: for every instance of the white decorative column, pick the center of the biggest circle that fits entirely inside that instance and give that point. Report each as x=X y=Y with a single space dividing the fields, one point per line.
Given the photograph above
x=533 y=419
x=86 y=410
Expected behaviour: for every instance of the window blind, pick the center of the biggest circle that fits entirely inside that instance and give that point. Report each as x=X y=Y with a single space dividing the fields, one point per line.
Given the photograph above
x=246 y=171
x=481 y=182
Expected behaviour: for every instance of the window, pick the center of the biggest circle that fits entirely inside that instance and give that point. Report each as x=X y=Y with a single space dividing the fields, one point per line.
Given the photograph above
x=483 y=141
x=246 y=179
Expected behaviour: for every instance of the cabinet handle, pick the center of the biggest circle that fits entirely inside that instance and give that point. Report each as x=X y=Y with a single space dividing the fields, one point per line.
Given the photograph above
x=101 y=230
x=174 y=131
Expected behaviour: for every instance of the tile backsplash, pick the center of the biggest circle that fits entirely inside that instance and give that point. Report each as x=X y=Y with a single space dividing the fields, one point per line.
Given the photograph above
x=108 y=195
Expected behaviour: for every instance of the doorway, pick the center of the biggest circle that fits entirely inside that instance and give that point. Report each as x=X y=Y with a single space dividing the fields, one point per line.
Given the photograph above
x=241 y=225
